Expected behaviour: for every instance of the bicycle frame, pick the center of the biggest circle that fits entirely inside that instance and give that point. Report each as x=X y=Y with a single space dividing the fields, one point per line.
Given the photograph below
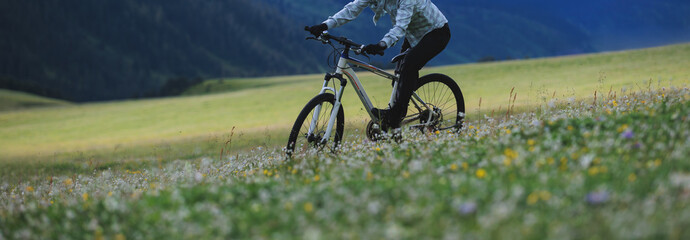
x=344 y=68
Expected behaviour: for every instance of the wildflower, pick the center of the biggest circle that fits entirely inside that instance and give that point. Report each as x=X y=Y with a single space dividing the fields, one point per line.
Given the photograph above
x=85 y=196
x=67 y=181
x=510 y=154
x=29 y=189
x=627 y=134
x=317 y=178
x=531 y=142
x=622 y=128
x=593 y=171
x=467 y=208
x=545 y=195
x=632 y=177
x=119 y=236
x=532 y=198
x=454 y=167
x=465 y=166
x=597 y=198
x=481 y=173
x=308 y=207
x=406 y=174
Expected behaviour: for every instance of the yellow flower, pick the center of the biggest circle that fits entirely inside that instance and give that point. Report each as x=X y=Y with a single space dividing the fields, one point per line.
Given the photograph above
x=545 y=195
x=67 y=181
x=437 y=132
x=510 y=154
x=85 y=196
x=453 y=167
x=531 y=142
x=317 y=178
x=481 y=173
x=29 y=189
x=622 y=128
x=119 y=236
x=632 y=177
x=570 y=128
x=110 y=194
x=369 y=176
x=532 y=198
x=308 y=207
x=593 y=171
x=465 y=165
x=406 y=174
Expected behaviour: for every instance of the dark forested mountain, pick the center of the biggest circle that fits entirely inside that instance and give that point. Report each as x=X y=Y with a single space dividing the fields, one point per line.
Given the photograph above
x=113 y=49
x=108 y=49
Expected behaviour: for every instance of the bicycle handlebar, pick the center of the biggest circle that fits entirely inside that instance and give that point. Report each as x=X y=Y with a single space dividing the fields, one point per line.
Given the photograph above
x=325 y=38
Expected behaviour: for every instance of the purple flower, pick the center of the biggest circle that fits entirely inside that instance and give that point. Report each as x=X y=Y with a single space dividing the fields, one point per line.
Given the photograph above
x=597 y=198
x=637 y=145
x=627 y=134
x=467 y=208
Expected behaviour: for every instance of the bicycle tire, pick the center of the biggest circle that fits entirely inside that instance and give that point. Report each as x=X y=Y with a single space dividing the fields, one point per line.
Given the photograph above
x=444 y=94
x=299 y=134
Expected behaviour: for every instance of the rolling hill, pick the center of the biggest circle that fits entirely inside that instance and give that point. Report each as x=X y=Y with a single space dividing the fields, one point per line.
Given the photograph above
x=14 y=100
x=261 y=113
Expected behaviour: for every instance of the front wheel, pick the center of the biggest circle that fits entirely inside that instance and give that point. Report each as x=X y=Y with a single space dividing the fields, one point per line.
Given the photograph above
x=315 y=116
x=442 y=107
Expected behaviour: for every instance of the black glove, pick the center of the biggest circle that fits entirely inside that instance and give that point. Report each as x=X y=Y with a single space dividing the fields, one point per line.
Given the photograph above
x=316 y=30
x=375 y=48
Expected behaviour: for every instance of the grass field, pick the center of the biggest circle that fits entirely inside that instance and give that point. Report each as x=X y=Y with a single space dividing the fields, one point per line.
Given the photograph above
x=614 y=168
x=262 y=110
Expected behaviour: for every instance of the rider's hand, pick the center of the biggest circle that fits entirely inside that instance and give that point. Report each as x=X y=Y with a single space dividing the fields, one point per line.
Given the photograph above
x=316 y=30
x=375 y=48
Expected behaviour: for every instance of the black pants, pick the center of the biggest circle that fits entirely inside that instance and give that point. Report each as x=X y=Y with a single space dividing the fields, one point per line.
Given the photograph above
x=431 y=45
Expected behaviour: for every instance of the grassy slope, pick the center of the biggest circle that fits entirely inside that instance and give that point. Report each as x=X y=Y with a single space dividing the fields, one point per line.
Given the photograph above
x=13 y=100
x=197 y=124
x=616 y=169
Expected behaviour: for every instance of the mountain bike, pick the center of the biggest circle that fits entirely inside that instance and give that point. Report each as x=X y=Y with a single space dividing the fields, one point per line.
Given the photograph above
x=437 y=103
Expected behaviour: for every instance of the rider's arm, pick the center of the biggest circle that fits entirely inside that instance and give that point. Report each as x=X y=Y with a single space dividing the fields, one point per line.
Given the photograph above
x=402 y=20
x=348 y=13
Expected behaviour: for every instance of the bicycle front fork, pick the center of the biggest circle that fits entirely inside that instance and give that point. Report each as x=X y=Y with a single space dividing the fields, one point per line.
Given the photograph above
x=334 y=111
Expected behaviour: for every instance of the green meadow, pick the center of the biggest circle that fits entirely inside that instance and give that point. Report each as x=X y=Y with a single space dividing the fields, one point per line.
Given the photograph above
x=12 y=100
x=241 y=114
x=596 y=149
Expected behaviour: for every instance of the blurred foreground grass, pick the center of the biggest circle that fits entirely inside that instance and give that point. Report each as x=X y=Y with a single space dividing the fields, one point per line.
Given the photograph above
x=614 y=168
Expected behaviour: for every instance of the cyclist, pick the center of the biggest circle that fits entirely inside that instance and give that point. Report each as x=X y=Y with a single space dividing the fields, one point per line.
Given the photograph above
x=426 y=34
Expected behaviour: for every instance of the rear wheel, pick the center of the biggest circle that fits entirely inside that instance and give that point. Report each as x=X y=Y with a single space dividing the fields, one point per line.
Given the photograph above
x=301 y=141
x=445 y=105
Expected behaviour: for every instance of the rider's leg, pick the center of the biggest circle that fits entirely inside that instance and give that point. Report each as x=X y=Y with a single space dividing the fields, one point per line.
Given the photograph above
x=431 y=45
